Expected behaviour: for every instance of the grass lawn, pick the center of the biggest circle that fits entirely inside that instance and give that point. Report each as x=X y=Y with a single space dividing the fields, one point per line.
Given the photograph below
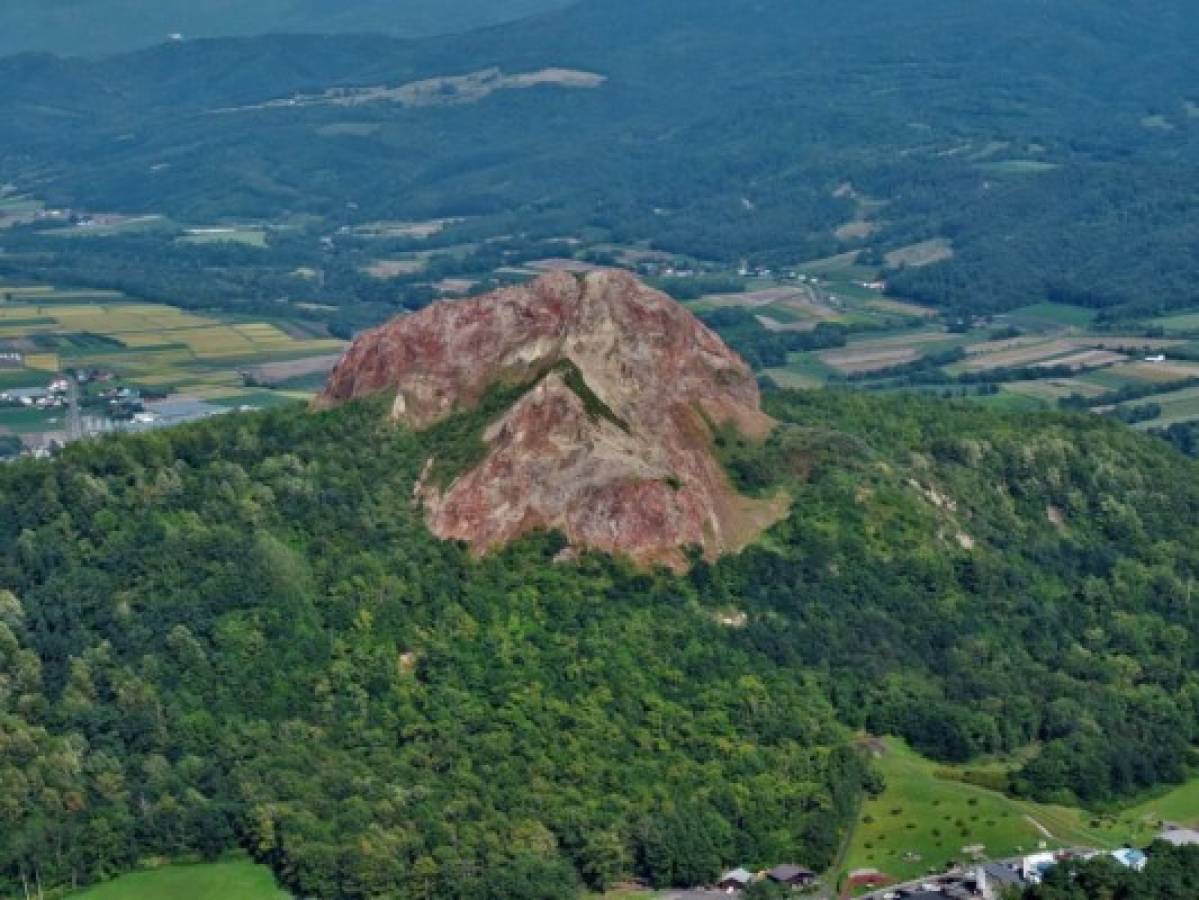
x=929 y=813
x=1042 y=314
x=1109 y=379
x=1180 y=322
x=21 y=378
x=239 y=880
x=921 y=822
x=927 y=816
x=1007 y=399
x=1180 y=806
x=20 y=420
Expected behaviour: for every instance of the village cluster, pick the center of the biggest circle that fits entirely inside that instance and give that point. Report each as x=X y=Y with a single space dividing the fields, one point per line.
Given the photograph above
x=53 y=396
x=105 y=408
x=979 y=881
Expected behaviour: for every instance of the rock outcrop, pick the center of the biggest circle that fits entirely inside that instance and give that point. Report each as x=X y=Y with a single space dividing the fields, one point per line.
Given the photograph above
x=611 y=443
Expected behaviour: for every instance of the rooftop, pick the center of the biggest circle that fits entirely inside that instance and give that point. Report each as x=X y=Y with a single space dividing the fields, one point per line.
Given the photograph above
x=1180 y=837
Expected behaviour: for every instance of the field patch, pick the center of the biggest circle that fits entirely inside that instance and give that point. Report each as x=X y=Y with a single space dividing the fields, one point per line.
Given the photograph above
x=1178 y=806
x=162 y=348
x=1085 y=359
x=240 y=880
x=857 y=230
x=1040 y=315
x=928 y=817
x=925 y=253
x=349 y=129
x=1053 y=389
x=1185 y=322
x=1018 y=167
x=901 y=307
x=396 y=229
x=250 y=237
x=1017 y=356
x=853 y=361
x=1160 y=372
x=394 y=268
x=1176 y=406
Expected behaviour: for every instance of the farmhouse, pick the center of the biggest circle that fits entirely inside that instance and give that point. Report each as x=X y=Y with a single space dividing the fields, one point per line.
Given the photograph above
x=994 y=878
x=791 y=875
x=1034 y=867
x=1130 y=858
x=735 y=880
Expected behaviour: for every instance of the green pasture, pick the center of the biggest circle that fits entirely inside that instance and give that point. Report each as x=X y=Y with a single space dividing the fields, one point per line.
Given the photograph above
x=239 y=880
x=1040 y=315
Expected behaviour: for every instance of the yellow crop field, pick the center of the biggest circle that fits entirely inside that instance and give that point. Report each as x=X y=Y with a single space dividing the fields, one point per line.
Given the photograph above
x=42 y=362
x=148 y=344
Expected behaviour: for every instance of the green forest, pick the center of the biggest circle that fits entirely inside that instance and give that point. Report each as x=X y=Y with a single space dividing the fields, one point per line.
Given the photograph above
x=239 y=633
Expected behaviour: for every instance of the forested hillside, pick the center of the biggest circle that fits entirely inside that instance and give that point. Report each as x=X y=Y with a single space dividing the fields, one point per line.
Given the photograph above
x=95 y=27
x=1051 y=148
x=240 y=633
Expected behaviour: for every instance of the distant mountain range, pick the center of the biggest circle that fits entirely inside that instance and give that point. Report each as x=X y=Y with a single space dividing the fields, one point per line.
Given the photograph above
x=96 y=27
x=1048 y=144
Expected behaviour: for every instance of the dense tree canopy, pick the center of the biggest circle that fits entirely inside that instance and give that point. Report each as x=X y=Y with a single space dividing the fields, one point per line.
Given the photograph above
x=240 y=632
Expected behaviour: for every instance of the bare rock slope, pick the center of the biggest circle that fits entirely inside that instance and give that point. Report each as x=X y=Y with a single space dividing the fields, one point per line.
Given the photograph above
x=611 y=444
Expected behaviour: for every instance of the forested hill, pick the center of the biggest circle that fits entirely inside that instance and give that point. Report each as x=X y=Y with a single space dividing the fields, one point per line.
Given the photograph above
x=95 y=27
x=1054 y=145
x=239 y=632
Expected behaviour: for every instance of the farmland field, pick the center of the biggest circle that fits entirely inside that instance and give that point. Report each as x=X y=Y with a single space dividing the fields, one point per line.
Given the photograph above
x=250 y=237
x=1030 y=354
x=1170 y=370
x=153 y=347
x=929 y=815
x=923 y=254
x=1042 y=314
x=1178 y=323
x=1053 y=389
x=29 y=421
x=1176 y=406
x=851 y=361
x=240 y=880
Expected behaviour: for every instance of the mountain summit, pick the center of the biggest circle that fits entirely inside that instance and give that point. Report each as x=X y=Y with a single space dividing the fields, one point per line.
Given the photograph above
x=610 y=439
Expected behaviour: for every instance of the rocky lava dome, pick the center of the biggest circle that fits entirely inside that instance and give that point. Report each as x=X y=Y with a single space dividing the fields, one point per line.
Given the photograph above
x=611 y=443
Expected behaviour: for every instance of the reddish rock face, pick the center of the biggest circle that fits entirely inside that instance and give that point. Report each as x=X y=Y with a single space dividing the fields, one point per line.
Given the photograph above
x=646 y=485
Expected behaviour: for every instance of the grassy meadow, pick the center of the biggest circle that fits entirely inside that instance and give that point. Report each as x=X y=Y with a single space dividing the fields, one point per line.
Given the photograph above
x=235 y=880
x=931 y=815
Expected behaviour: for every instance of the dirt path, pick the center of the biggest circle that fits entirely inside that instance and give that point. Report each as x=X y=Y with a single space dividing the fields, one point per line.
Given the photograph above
x=1045 y=832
